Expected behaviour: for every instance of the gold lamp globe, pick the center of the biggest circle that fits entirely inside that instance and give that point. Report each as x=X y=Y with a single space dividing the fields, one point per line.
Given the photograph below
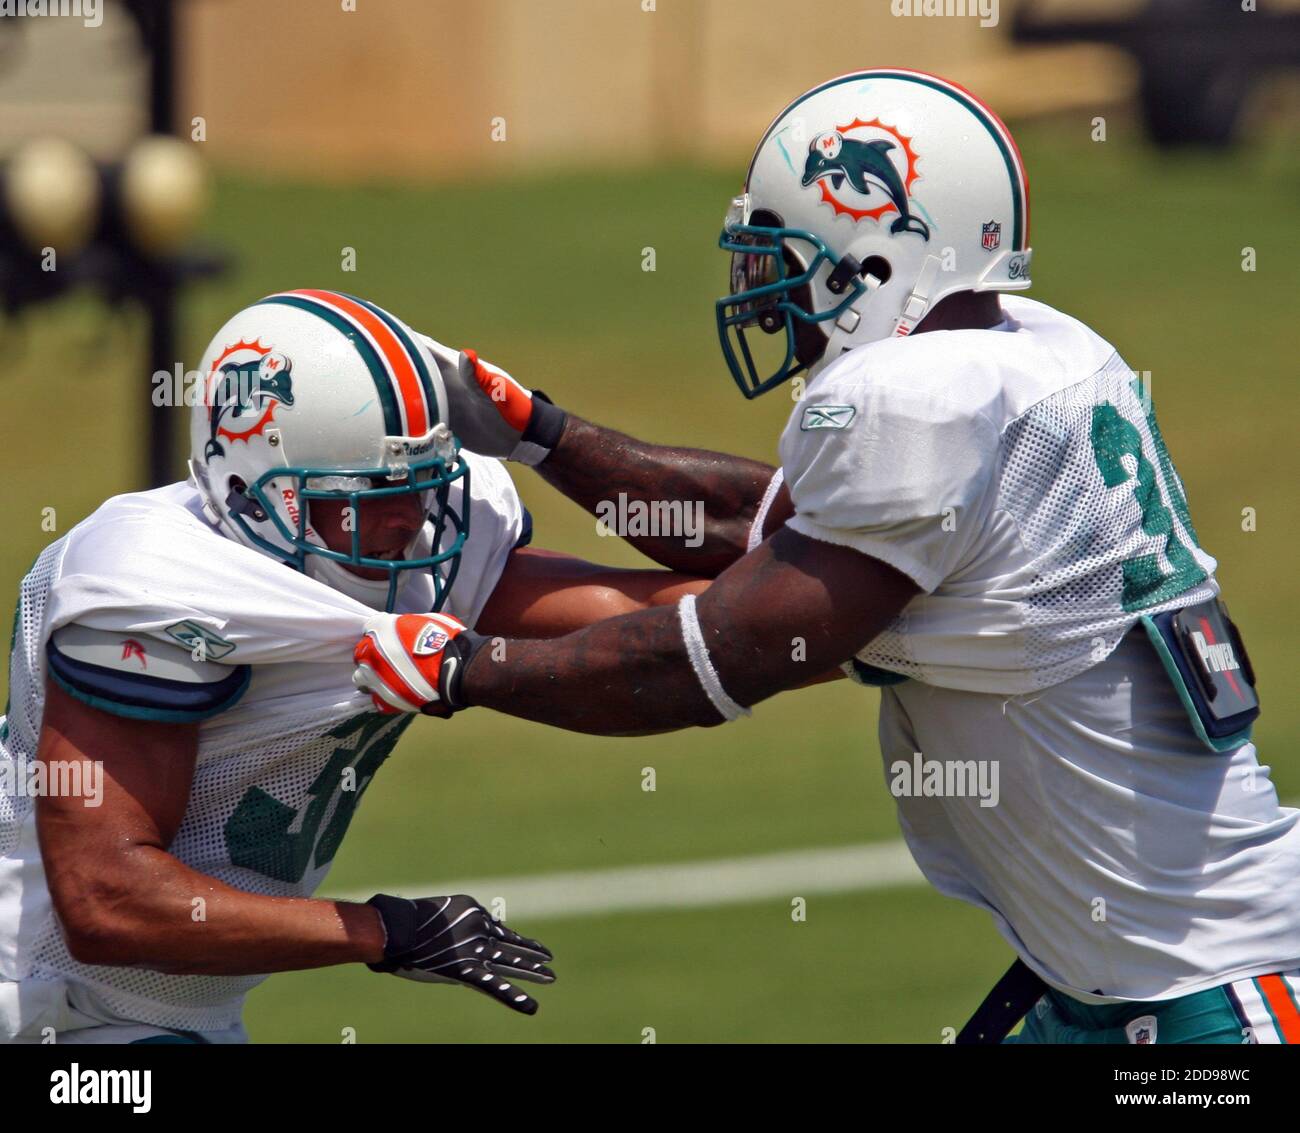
x=164 y=190
x=51 y=189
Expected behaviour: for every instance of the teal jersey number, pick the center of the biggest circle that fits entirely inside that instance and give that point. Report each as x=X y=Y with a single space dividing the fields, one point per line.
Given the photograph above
x=260 y=834
x=1145 y=584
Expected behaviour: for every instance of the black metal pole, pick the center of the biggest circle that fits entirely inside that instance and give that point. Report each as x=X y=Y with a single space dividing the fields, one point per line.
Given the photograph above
x=160 y=309
x=158 y=27
x=162 y=74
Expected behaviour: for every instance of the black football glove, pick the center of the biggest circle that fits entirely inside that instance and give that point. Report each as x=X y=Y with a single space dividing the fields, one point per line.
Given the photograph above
x=455 y=940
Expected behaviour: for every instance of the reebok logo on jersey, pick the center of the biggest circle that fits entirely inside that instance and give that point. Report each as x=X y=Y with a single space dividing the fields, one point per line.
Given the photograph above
x=200 y=640
x=132 y=648
x=1216 y=658
x=826 y=417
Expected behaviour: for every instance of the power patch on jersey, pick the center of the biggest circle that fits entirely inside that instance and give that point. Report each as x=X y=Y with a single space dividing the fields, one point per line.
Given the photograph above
x=1202 y=652
x=141 y=676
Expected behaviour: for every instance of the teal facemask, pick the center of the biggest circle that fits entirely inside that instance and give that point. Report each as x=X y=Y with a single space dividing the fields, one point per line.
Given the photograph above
x=431 y=479
x=765 y=286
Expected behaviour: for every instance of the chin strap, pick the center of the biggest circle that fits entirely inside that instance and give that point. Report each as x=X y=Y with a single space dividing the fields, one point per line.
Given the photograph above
x=199 y=479
x=918 y=302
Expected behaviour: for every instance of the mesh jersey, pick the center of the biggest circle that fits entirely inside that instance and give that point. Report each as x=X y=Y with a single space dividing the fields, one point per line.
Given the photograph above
x=268 y=805
x=1018 y=476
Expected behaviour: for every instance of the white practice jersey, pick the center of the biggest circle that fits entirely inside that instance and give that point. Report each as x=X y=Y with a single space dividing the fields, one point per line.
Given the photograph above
x=1018 y=477
x=268 y=805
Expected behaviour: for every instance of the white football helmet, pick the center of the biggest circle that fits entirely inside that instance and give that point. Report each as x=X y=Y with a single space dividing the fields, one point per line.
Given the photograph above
x=318 y=395
x=869 y=199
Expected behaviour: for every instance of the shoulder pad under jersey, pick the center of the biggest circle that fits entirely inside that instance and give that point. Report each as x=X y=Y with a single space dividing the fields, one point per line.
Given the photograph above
x=140 y=676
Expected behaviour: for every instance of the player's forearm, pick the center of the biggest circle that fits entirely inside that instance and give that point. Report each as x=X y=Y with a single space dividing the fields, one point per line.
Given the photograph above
x=709 y=499
x=157 y=913
x=629 y=676
x=791 y=609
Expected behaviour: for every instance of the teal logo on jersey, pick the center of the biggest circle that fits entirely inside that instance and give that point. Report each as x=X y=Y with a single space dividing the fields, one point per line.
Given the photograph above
x=826 y=417
x=199 y=639
x=280 y=841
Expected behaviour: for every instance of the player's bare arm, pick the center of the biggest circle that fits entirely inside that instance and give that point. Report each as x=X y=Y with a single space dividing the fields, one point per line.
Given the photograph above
x=591 y=464
x=545 y=594
x=792 y=607
x=124 y=900
x=540 y=593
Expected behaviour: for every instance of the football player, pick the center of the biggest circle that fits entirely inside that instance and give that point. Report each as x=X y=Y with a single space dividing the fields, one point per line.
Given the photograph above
x=181 y=676
x=975 y=511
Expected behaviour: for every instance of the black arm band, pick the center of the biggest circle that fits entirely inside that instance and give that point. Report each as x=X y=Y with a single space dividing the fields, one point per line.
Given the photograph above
x=546 y=422
x=461 y=650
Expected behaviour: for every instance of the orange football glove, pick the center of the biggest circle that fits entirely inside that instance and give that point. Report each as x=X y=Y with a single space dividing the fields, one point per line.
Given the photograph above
x=414 y=662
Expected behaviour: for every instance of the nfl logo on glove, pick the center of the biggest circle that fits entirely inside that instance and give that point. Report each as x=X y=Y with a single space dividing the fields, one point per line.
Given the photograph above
x=429 y=641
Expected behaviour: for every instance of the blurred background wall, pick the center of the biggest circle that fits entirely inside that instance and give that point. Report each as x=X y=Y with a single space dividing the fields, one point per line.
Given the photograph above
x=688 y=77
x=412 y=87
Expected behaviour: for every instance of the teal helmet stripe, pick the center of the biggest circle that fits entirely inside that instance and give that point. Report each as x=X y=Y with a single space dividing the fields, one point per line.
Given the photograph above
x=378 y=371
x=1001 y=137
x=1015 y=169
x=412 y=349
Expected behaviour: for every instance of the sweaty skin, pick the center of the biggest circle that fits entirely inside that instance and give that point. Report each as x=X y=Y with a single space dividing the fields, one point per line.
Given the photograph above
x=630 y=675
x=122 y=899
x=385 y=527
x=592 y=464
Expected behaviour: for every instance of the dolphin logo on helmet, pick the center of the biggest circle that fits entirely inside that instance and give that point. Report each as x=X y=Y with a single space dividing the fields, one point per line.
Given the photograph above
x=861 y=163
x=244 y=387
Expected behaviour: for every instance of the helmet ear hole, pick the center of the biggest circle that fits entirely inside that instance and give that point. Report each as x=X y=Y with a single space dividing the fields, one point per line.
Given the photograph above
x=877 y=266
x=238 y=502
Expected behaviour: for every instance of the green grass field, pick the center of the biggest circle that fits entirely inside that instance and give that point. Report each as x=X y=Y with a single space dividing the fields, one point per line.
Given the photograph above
x=545 y=277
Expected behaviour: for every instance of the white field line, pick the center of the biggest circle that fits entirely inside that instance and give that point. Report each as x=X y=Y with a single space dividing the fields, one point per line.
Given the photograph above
x=686 y=885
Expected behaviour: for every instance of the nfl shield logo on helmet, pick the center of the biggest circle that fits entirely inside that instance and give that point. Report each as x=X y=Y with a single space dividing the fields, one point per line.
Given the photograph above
x=992 y=235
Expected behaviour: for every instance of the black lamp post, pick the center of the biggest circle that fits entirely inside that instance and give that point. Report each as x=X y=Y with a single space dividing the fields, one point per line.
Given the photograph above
x=121 y=228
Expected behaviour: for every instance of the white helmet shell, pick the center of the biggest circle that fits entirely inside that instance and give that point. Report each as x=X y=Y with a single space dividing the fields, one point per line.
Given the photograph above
x=904 y=181
x=316 y=394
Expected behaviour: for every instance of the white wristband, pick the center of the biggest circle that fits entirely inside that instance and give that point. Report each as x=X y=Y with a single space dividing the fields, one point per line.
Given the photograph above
x=765 y=505
x=698 y=652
